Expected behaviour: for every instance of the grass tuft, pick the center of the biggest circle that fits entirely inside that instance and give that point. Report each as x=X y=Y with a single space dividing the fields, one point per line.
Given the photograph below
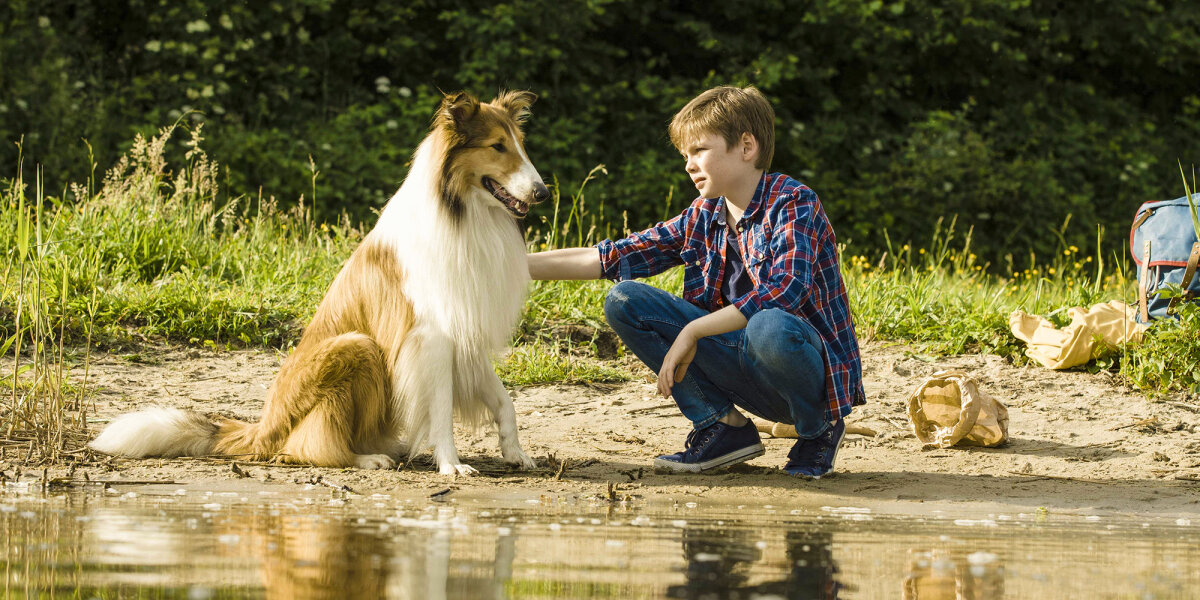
x=156 y=255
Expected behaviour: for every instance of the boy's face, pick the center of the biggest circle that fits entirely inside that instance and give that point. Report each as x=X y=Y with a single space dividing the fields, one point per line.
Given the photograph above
x=716 y=168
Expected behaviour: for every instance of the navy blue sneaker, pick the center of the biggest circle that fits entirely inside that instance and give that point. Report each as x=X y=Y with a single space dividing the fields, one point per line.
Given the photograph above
x=718 y=445
x=814 y=458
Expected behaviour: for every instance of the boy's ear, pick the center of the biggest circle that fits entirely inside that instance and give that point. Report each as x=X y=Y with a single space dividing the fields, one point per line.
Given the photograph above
x=457 y=108
x=749 y=147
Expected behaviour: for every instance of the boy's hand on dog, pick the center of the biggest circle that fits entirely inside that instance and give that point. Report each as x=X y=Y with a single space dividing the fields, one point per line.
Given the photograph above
x=676 y=362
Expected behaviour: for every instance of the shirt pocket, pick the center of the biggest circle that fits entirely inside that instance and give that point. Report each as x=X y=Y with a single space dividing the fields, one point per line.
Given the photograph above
x=757 y=264
x=693 y=273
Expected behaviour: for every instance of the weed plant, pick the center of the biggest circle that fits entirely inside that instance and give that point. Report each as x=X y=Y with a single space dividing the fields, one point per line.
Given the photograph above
x=943 y=300
x=156 y=255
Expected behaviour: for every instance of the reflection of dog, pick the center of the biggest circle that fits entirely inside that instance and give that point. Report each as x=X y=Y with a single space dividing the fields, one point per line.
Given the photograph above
x=405 y=335
x=303 y=555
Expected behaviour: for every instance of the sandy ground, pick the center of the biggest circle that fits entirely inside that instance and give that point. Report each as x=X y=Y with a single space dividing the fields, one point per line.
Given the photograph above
x=1078 y=442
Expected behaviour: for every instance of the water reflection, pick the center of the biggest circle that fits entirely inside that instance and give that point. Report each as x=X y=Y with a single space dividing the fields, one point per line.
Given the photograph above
x=286 y=546
x=308 y=557
x=944 y=575
x=719 y=561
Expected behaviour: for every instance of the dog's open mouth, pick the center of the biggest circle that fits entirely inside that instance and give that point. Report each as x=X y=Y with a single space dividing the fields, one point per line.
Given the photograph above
x=514 y=206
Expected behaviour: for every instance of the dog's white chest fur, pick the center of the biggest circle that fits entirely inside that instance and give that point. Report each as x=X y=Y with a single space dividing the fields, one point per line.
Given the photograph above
x=466 y=278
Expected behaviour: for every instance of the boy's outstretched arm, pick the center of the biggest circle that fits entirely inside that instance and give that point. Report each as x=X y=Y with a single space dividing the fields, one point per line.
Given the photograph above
x=567 y=263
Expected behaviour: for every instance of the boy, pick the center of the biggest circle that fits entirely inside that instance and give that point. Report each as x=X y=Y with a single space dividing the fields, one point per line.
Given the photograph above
x=763 y=324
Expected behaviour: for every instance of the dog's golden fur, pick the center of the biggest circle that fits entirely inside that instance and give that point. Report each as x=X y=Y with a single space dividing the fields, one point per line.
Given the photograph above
x=330 y=399
x=367 y=367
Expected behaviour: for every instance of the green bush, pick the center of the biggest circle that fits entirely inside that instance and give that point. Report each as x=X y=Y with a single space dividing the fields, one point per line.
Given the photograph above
x=1010 y=114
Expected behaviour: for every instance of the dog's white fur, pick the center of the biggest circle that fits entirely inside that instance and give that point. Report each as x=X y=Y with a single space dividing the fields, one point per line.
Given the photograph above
x=467 y=290
x=404 y=339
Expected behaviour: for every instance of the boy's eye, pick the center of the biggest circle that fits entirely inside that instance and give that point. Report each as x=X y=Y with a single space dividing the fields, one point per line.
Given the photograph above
x=498 y=147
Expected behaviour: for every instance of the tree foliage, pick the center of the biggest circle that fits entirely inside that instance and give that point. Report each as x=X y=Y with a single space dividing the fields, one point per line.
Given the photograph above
x=1010 y=114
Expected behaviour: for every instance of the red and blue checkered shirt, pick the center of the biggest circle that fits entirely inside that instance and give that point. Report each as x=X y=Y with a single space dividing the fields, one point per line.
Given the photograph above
x=790 y=253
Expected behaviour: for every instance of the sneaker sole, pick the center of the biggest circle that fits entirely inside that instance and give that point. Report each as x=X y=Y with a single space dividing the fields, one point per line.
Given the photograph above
x=732 y=458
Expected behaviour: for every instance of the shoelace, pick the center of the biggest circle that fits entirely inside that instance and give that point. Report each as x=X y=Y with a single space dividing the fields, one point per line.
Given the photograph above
x=691 y=443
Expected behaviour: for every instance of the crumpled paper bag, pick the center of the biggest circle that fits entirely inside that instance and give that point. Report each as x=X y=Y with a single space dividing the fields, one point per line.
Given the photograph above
x=948 y=408
x=1113 y=322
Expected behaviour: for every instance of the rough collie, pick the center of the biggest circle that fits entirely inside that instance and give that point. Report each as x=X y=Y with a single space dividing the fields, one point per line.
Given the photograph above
x=404 y=339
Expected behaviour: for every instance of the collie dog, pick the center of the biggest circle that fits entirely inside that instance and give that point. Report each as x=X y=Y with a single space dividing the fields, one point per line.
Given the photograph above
x=404 y=339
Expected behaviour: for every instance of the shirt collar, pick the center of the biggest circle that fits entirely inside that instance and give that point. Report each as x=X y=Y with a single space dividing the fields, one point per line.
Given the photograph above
x=756 y=202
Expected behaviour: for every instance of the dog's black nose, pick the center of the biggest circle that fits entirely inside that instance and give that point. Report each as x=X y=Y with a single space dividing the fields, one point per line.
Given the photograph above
x=541 y=193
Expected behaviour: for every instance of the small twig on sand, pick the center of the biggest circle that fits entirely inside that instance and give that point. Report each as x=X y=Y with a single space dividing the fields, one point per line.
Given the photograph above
x=651 y=408
x=109 y=482
x=222 y=459
x=1183 y=405
x=893 y=422
x=562 y=468
x=1061 y=478
x=333 y=484
x=1151 y=422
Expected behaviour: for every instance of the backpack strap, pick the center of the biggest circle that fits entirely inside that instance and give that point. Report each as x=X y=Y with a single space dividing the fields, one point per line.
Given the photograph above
x=1188 y=272
x=1143 y=283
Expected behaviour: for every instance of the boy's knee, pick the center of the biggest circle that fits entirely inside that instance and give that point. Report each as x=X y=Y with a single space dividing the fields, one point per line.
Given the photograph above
x=775 y=333
x=768 y=323
x=619 y=298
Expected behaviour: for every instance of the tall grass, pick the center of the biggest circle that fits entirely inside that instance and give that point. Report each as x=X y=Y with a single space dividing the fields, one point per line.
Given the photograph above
x=156 y=255
x=942 y=299
x=42 y=413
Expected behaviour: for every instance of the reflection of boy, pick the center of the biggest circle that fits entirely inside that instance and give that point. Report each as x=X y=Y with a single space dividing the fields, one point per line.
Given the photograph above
x=763 y=324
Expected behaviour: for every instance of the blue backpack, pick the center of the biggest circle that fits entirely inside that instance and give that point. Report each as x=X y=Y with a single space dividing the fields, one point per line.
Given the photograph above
x=1166 y=251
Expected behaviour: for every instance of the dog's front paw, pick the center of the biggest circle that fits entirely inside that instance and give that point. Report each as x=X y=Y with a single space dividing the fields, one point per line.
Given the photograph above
x=457 y=469
x=374 y=461
x=519 y=458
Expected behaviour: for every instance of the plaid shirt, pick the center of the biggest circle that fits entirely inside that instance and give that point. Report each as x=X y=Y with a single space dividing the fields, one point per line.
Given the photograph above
x=791 y=256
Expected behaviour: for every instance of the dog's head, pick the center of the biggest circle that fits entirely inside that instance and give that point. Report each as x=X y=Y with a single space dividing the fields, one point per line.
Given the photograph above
x=485 y=159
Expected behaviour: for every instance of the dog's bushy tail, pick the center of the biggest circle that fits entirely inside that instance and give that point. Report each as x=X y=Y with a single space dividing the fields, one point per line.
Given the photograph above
x=169 y=432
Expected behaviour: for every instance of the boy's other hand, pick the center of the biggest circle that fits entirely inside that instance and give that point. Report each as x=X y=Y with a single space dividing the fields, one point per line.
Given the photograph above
x=675 y=363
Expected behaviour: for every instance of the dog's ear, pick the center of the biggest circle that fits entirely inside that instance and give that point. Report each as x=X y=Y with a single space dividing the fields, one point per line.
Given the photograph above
x=516 y=103
x=458 y=108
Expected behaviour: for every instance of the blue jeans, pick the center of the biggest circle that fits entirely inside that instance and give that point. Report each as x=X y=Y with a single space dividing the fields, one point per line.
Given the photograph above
x=774 y=368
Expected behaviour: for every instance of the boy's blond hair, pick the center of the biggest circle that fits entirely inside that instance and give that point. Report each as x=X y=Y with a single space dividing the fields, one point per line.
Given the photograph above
x=729 y=112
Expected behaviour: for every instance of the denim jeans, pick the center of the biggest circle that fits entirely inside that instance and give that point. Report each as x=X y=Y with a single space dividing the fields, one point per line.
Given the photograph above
x=774 y=368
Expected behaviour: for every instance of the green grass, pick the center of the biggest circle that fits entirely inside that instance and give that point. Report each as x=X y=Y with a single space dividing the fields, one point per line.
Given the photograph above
x=942 y=300
x=153 y=254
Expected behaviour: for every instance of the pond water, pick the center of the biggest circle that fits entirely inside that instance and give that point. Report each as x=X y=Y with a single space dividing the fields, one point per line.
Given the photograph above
x=164 y=542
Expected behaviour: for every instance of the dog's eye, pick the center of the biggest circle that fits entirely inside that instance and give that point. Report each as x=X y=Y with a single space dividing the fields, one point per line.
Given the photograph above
x=498 y=147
